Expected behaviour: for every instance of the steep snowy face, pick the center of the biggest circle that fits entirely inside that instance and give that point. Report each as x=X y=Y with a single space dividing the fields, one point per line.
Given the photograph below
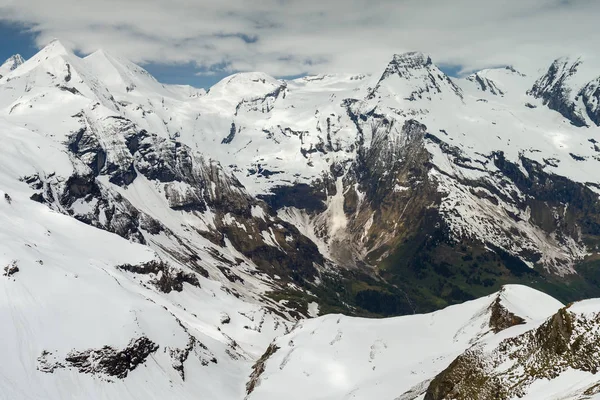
x=590 y=95
x=11 y=64
x=52 y=71
x=567 y=88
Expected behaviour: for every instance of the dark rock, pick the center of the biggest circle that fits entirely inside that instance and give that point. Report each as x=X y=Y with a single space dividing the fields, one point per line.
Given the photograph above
x=555 y=92
x=232 y=132
x=11 y=268
x=110 y=361
x=259 y=368
x=168 y=278
x=501 y=318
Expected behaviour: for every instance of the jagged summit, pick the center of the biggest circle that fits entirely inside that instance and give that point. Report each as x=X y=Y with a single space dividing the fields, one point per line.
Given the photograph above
x=11 y=64
x=406 y=64
x=411 y=59
x=51 y=51
x=414 y=76
x=570 y=87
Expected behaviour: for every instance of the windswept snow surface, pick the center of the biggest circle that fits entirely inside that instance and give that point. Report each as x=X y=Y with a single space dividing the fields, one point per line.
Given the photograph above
x=339 y=357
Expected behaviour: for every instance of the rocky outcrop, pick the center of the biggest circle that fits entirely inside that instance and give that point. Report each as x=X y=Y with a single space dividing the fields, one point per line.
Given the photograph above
x=485 y=84
x=11 y=269
x=106 y=361
x=165 y=277
x=259 y=368
x=501 y=318
x=110 y=361
x=565 y=341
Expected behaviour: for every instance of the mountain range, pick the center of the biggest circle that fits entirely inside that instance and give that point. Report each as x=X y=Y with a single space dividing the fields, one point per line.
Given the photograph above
x=164 y=241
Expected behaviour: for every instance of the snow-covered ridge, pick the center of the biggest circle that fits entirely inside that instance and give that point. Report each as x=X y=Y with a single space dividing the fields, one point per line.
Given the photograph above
x=198 y=227
x=338 y=356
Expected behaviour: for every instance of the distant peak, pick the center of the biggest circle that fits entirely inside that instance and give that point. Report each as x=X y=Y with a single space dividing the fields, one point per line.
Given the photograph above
x=512 y=69
x=54 y=48
x=99 y=53
x=247 y=79
x=407 y=64
x=13 y=62
x=566 y=62
x=414 y=76
x=412 y=59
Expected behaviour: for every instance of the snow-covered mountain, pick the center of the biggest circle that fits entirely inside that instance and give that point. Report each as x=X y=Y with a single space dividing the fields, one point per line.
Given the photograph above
x=517 y=343
x=161 y=241
x=11 y=64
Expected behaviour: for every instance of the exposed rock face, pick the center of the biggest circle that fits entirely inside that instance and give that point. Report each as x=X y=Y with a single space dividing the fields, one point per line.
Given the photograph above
x=83 y=198
x=11 y=268
x=565 y=341
x=110 y=361
x=11 y=64
x=485 y=84
x=590 y=96
x=259 y=368
x=501 y=318
x=166 y=278
x=393 y=175
x=554 y=90
x=417 y=75
x=561 y=91
x=106 y=361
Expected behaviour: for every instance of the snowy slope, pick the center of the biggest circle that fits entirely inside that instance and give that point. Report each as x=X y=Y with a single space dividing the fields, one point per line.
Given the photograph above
x=339 y=357
x=556 y=358
x=63 y=294
x=156 y=240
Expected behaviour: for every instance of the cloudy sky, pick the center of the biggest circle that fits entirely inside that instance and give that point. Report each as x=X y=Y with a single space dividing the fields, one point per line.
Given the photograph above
x=200 y=41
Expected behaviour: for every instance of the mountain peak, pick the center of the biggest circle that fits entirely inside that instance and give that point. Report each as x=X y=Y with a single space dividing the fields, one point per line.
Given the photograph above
x=561 y=87
x=412 y=59
x=414 y=76
x=54 y=48
x=245 y=85
x=11 y=64
x=14 y=61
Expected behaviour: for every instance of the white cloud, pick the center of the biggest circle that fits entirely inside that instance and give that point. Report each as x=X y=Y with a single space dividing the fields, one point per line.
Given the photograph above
x=288 y=37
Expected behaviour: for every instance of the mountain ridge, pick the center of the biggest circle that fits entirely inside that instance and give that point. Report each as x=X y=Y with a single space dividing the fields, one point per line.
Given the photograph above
x=231 y=216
